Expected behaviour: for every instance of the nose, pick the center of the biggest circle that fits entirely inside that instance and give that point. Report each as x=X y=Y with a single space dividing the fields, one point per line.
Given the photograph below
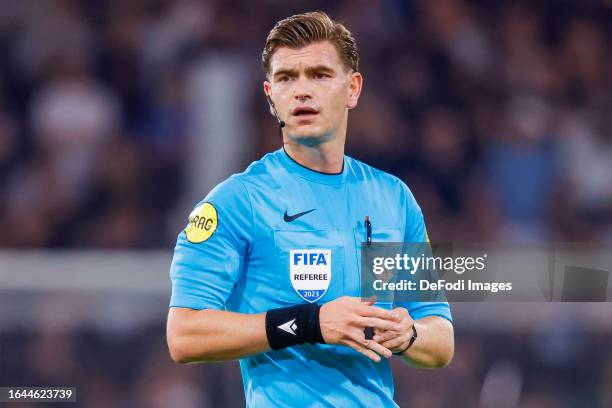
x=302 y=91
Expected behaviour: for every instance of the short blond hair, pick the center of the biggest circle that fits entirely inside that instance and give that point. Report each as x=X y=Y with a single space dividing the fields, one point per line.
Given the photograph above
x=301 y=30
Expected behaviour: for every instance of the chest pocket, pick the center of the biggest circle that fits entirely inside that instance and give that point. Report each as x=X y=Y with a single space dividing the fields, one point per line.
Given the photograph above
x=309 y=265
x=393 y=234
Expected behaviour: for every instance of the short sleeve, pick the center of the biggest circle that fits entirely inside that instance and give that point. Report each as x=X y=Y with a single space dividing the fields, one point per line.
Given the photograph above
x=210 y=252
x=416 y=231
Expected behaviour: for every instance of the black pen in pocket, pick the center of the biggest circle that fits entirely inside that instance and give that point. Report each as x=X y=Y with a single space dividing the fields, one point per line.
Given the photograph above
x=368 y=226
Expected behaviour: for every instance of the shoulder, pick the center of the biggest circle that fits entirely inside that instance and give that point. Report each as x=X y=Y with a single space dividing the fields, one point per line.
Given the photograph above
x=365 y=172
x=228 y=207
x=236 y=188
x=230 y=192
x=383 y=180
x=232 y=196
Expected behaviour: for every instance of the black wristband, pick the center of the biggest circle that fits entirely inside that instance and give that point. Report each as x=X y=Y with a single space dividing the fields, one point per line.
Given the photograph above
x=288 y=326
x=412 y=339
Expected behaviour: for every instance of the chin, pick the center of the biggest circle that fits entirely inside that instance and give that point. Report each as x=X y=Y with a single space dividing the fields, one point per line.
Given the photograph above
x=309 y=137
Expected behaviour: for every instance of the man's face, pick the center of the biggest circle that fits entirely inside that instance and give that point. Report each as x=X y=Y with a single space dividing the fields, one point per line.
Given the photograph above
x=312 y=91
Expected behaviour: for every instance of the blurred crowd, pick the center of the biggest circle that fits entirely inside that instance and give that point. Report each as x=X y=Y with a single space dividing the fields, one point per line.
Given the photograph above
x=496 y=114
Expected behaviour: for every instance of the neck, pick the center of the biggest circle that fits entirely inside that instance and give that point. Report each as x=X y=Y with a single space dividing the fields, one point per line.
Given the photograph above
x=327 y=157
x=324 y=157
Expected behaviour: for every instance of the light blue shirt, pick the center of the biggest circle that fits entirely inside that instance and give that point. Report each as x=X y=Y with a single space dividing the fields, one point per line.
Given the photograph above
x=263 y=254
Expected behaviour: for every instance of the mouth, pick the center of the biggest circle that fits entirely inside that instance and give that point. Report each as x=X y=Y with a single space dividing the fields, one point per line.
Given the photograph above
x=304 y=112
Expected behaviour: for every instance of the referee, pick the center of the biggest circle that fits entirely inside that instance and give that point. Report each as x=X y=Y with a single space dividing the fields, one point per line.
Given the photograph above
x=267 y=270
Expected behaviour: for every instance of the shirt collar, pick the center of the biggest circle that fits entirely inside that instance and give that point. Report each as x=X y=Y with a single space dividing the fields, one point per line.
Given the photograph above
x=312 y=175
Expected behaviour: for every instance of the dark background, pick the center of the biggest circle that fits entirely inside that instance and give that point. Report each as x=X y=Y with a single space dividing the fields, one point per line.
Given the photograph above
x=496 y=114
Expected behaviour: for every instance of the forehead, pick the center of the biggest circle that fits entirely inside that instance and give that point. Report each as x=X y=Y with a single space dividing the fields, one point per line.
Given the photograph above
x=316 y=54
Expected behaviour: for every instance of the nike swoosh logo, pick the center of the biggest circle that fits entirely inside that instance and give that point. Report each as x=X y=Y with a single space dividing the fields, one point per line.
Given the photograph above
x=289 y=327
x=289 y=218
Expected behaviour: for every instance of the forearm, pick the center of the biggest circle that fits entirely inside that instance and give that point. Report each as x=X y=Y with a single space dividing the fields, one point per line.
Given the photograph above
x=434 y=346
x=214 y=335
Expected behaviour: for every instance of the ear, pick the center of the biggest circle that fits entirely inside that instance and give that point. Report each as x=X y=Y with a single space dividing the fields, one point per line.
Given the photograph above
x=355 y=85
x=267 y=88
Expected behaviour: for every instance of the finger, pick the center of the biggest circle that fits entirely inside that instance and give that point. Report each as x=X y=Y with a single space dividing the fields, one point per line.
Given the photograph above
x=380 y=349
x=358 y=337
x=399 y=314
x=385 y=336
x=363 y=350
x=377 y=323
x=369 y=301
x=373 y=311
x=395 y=343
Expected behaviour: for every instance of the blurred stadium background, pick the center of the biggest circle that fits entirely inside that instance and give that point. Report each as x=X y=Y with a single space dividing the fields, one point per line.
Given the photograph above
x=116 y=116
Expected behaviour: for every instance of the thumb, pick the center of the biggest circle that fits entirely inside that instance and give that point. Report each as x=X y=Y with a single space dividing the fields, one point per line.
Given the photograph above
x=396 y=315
x=369 y=301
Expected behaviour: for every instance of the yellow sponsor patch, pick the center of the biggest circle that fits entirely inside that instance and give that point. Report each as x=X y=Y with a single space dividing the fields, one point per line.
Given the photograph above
x=202 y=223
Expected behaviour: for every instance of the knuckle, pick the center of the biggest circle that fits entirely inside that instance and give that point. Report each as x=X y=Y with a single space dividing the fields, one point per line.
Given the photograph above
x=357 y=336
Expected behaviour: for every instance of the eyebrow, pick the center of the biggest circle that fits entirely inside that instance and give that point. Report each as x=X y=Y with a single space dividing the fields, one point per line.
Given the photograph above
x=309 y=70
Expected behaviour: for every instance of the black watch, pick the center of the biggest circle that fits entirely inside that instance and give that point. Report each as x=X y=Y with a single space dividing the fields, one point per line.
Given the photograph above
x=411 y=342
